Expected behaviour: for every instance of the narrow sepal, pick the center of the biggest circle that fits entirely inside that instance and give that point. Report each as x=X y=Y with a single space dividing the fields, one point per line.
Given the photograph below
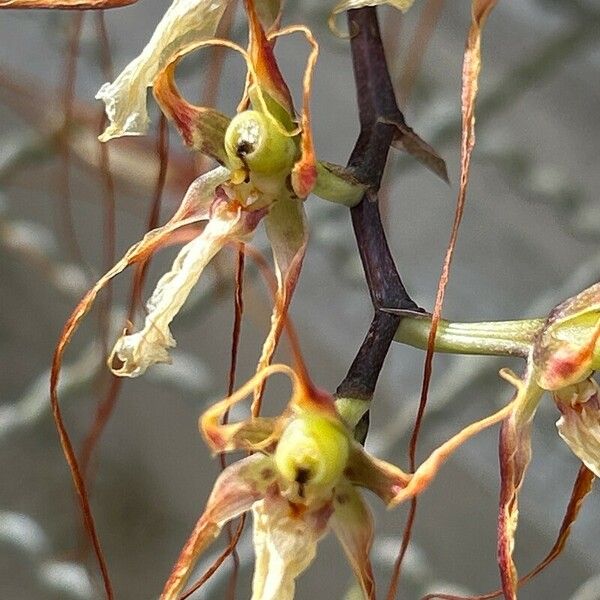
x=515 y=454
x=288 y=234
x=353 y=525
x=266 y=70
x=382 y=478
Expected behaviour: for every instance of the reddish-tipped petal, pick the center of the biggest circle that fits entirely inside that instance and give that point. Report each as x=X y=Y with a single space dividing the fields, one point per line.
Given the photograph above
x=201 y=128
x=268 y=75
x=288 y=234
x=353 y=526
x=304 y=173
x=238 y=487
x=515 y=454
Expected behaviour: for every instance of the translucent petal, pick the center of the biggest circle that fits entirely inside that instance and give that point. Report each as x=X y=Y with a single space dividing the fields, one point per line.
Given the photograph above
x=344 y=5
x=184 y=22
x=134 y=353
x=285 y=543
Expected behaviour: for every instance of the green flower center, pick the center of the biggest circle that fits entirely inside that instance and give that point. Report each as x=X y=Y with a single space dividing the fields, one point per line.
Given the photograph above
x=253 y=142
x=313 y=451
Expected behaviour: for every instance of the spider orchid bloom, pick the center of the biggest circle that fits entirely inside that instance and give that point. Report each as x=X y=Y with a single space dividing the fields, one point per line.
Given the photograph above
x=561 y=360
x=300 y=482
x=268 y=169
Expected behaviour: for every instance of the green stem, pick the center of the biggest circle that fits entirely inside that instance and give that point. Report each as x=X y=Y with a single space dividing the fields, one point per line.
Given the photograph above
x=497 y=338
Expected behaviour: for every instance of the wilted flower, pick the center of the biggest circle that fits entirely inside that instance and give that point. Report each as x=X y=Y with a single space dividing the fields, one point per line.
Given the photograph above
x=562 y=352
x=268 y=169
x=562 y=358
x=300 y=482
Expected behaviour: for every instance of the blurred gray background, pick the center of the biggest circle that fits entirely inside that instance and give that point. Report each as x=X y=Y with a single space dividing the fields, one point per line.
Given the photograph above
x=529 y=239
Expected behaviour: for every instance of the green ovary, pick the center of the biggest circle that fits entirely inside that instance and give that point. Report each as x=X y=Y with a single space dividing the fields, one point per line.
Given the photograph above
x=313 y=450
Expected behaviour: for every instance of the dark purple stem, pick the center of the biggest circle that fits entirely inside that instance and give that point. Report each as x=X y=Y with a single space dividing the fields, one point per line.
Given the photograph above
x=377 y=108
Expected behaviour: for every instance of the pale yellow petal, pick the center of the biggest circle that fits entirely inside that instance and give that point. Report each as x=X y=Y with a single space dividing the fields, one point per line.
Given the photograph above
x=134 y=353
x=285 y=544
x=185 y=21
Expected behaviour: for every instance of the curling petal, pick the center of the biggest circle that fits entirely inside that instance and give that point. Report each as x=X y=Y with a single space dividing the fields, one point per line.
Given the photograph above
x=515 y=454
x=353 y=525
x=184 y=22
x=288 y=234
x=238 y=487
x=579 y=425
x=201 y=128
x=251 y=434
x=134 y=353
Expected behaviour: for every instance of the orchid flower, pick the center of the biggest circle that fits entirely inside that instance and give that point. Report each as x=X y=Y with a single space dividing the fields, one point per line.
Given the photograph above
x=562 y=358
x=268 y=168
x=562 y=352
x=300 y=482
